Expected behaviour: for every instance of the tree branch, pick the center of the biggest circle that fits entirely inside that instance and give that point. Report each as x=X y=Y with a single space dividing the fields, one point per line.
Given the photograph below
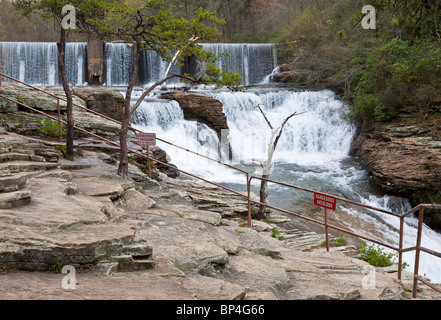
x=152 y=87
x=264 y=115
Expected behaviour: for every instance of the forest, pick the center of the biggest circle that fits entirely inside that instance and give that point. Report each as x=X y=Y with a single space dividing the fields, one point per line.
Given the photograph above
x=395 y=66
x=245 y=20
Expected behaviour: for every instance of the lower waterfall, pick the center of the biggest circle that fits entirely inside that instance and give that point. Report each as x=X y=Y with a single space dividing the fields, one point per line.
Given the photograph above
x=313 y=153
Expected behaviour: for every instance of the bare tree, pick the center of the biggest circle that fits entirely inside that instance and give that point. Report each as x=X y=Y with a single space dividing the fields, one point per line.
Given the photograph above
x=267 y=166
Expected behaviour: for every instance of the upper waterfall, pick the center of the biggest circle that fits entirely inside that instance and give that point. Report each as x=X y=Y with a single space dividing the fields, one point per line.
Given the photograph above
x=36 y=63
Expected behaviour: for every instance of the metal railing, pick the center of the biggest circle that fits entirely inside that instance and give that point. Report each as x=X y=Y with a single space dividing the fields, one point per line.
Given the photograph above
x=400 y=250
x=420 y=208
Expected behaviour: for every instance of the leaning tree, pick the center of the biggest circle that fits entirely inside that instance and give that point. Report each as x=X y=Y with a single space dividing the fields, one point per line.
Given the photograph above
x=69 y=16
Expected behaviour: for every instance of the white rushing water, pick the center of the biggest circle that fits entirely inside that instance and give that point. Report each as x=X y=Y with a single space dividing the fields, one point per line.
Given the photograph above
x=312 y=153
x=36 y=62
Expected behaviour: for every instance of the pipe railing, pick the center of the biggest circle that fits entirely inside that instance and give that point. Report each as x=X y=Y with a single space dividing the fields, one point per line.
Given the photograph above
x=420 y=208
x=400 y=250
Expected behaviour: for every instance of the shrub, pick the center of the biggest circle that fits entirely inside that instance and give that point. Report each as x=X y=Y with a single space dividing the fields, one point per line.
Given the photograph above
x=399 y=75
x=375 y=255
x=49 y=127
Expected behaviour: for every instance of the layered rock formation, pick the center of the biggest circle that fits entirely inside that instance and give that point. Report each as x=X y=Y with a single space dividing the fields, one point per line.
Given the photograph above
x=201 y=108
x=404 y=158
x=102 y=100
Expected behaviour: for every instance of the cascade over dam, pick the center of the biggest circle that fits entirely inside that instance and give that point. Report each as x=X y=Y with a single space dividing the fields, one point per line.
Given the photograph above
x=110 y=63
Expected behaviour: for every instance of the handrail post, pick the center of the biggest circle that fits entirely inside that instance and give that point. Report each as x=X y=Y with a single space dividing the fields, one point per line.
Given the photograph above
x=59 y=119
x=417 y=252
x=249 y=199
x=148 y=161
x=326 y=229
x=400 y=252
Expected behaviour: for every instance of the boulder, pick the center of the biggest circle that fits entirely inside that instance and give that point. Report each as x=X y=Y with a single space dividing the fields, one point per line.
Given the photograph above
x=200 y=108
x=102 y=100
x=15 y=199
x=32 y=98
x=12 y=183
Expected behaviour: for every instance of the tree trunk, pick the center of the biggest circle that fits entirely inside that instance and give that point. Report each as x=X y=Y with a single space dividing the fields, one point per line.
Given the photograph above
x=123 y=168
x=260 y=214
x=68 y=92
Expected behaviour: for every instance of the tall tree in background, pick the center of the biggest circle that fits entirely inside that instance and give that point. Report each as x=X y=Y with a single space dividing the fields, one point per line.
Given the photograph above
x=414 y=18
x=66 y=21
x=148 y=26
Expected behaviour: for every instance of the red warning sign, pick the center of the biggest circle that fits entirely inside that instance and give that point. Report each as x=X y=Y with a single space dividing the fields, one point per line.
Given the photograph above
x=325 y=201
x=147 y=139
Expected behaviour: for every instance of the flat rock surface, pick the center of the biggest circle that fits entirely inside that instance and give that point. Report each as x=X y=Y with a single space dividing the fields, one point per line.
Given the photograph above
x=198 y=253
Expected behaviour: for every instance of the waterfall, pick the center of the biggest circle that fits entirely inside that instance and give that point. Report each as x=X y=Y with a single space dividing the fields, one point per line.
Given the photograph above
x=152 y=68
x=166 y=119
x=36 y=62
x=118 y=59
x=318 y=134
x=312 y=153
x=252 y=61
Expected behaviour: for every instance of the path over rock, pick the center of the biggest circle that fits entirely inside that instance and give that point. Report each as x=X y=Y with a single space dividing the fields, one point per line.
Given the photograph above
x=88 y=216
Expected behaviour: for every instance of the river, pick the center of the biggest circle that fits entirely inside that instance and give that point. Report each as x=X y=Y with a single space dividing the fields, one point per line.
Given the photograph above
x=313 y=153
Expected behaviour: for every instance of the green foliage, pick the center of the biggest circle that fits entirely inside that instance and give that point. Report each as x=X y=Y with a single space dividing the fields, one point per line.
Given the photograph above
x=50 y=127
x=150 y=26
x=275 y=234
x=57 y=266
x=178 y=265
x=413 y=19
x=399 y=74
x=380 y=72
x=375 y=255
x=340 y=241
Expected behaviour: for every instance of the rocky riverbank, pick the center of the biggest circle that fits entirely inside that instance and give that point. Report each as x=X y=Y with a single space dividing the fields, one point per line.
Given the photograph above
x=180 y=238
x=168 y=238
x=402 y=154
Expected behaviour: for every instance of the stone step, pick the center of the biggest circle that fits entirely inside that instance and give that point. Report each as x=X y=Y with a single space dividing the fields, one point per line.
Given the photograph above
x=305 y=238
x=298 y=234
x=12 y=156
x=128 y=262
x=49 y=154
x=15 y=199
x=64 y=164
x=26 y=166
x=10 y=183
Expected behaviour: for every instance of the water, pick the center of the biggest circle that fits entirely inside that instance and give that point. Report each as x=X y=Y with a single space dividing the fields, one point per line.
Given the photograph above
x=36 y=62
x=312 y=153
x=252 y=61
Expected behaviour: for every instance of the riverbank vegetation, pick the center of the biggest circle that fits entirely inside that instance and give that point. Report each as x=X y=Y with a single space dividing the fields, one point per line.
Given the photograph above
x=393 y=68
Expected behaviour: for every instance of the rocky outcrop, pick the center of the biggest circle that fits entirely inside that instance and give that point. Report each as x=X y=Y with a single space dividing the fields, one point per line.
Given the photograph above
x=201 y=108
x=102 y=100
x=404 y=158
x=182 y=246
x=65 y=220
x=32 y=98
